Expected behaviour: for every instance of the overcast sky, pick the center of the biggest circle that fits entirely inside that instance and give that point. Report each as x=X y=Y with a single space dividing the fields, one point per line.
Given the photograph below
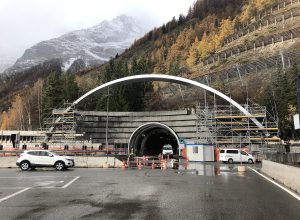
x=24 y=23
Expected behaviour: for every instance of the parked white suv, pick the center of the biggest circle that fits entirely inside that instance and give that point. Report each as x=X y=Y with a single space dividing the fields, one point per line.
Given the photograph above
x=235 y=155
x=43 y=158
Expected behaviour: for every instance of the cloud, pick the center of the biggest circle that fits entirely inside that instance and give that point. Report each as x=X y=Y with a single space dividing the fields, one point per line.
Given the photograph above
x=24 y=23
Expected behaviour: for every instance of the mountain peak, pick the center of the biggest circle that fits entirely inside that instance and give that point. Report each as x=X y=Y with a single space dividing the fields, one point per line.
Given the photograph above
x=93 y=45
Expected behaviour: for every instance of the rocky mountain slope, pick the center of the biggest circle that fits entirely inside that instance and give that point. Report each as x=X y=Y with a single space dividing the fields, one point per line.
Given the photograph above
x=93 y=45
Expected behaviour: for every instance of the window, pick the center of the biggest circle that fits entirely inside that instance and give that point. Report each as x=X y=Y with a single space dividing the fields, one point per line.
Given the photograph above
x=66 y=147
x=33 y=153
x=232 y=151
x=222 y=151
x=243 y=153
x=195 y=150
x=44 y=153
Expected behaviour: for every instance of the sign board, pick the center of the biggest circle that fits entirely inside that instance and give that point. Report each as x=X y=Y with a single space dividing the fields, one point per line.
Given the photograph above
x=296 y=122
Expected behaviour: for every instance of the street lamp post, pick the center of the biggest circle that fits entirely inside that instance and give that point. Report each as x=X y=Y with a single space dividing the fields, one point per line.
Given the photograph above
x=106 y=127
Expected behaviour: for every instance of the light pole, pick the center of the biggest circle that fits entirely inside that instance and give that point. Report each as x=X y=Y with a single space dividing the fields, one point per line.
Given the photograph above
x=106 y=127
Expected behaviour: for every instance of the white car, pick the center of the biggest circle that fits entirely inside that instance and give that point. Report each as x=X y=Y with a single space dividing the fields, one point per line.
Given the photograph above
x=167 y=150
x=43 y=158
x=235 y=155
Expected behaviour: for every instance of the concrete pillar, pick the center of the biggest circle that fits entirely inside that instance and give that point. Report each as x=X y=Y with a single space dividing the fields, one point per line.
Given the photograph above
x=272 y=40
x=263 y=44
x=284 y=4
x=281 y=38
x=275 y=21
x=292 y=37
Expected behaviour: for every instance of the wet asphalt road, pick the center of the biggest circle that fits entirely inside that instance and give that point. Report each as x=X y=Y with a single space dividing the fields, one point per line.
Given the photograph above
x=205 y=192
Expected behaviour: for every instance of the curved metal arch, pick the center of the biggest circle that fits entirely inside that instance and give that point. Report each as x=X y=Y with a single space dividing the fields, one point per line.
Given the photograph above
x=148 y=125
x=167 y=78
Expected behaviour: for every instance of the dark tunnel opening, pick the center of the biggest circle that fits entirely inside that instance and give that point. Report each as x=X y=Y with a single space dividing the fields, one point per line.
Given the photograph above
x=151 y=139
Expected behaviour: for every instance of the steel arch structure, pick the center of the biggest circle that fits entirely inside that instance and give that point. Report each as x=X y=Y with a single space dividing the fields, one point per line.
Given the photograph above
x=166 y=78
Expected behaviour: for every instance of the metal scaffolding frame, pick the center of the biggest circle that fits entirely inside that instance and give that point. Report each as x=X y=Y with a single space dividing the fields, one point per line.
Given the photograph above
x=226 y=126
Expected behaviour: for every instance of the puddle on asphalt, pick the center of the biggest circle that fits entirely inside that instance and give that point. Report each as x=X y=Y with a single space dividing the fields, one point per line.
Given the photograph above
x=207 y=169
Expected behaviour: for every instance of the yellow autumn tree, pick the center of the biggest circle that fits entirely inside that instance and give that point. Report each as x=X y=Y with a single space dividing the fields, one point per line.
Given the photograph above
x=262 y=4
x=4 y=121
x=207 y=45
x=226 y=29
x=194 y=55
x=178 y=52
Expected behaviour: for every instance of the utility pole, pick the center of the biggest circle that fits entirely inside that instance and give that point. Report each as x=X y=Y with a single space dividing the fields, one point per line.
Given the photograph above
x=106 y=127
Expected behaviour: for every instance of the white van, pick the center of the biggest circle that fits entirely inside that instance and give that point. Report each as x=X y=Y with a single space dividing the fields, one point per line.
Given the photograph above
x=235 y=155
x=167 y=150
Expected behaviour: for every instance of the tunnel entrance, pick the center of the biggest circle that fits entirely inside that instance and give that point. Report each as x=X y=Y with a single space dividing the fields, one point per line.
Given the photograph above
x=150 y=138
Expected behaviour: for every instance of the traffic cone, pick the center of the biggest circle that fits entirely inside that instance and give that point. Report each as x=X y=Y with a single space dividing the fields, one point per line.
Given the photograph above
x=153 y=165
x=165 y=164
x=140 y=165
x=123 y=165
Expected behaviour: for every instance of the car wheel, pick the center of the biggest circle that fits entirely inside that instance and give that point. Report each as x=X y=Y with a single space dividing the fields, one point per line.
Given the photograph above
x=230 y=160
x=250 y=161
x=59 y=165
x=25 y=165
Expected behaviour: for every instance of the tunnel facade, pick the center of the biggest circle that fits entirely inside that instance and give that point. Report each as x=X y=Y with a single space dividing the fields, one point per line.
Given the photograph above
x=143 y=133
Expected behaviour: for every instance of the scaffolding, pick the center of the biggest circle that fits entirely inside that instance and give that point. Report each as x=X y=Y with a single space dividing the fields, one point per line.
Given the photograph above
x=60 y=126
x=226 y=126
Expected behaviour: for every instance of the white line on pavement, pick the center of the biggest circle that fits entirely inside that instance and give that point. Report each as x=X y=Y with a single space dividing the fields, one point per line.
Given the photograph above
x=72 y=181
x=14 y=194
x=62 y=187
x=277 y=184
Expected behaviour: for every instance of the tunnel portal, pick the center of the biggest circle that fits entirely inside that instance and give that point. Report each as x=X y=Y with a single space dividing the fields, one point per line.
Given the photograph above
x=150 y=138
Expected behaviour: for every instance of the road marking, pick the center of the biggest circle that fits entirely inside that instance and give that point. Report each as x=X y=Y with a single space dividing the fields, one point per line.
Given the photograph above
x=72 y=181
x=277 y=184
x=63 y=187
x=14 y=194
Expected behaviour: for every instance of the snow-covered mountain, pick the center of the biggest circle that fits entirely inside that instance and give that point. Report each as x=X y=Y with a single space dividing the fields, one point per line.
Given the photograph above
x=5 y=63
x=93 y=45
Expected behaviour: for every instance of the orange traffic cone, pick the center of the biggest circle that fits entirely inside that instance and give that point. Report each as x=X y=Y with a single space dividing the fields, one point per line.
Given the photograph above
x=140 y=165
x=153 y=165
x=123 y=165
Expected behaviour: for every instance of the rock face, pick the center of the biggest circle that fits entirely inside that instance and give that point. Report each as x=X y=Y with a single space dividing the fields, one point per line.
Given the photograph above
x=93 y=45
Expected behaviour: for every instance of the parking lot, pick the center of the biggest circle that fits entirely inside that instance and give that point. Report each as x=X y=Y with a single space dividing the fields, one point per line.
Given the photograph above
x=208 y=191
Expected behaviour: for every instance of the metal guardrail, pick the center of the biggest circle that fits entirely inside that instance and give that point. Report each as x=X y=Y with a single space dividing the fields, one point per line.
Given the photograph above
x=94 y=153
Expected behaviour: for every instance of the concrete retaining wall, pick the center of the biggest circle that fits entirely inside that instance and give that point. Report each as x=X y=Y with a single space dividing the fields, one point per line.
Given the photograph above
x=283 y=158
x=288 y=175
x=85 y=162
